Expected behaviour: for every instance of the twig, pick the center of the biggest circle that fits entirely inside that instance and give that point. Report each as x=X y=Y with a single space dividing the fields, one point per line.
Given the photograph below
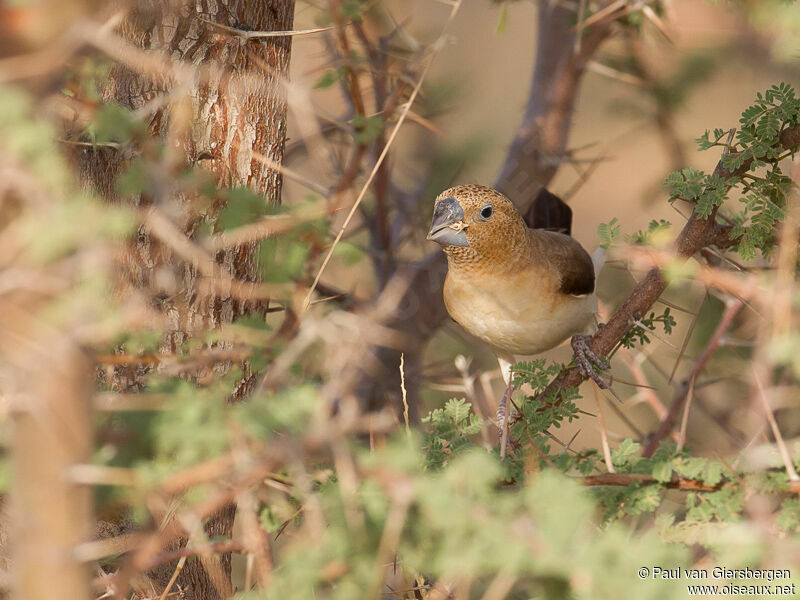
x=403 y=494
x=291 y=174
x=218 y=547
x=581 y=17
x=500 y=587
x=603 y=433
x=650 y=397
x=403 y=391
x=626 y=479
x=689 y=332
x=216 y=277
x=606 y=71
x=378 y=163
x=601 y=14
x=175 y=573
x=624 y=418
x=697 y=233
x=776 y=432
x=250 y=35
x=675 y=408
x=355 y=95
x=84 y=474
x=648 y=12
x=685 y=420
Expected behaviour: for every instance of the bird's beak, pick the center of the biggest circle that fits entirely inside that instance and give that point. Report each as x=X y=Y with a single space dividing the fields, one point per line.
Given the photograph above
x=447 y=212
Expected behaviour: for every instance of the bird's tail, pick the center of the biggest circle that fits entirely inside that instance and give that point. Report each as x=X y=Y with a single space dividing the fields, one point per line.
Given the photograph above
x=598 y=260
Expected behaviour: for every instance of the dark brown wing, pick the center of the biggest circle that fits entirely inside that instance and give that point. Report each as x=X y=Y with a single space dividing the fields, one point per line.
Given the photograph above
x=549 y=212
x=569 y=259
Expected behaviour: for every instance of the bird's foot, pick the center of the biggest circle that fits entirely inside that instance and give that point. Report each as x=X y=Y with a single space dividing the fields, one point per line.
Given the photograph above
x=586 y=360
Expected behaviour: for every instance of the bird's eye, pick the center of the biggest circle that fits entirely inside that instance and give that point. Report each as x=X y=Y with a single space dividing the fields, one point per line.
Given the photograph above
x=486 y=212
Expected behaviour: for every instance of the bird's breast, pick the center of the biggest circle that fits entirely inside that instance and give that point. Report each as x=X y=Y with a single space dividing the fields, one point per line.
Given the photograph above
x=519 y=312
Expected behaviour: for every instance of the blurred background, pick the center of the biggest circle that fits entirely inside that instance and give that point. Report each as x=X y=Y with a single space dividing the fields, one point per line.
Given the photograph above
x=648 y=93
x=225 y=364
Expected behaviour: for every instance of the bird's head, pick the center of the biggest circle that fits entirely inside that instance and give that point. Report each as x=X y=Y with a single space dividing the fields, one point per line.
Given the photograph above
x=475 y=220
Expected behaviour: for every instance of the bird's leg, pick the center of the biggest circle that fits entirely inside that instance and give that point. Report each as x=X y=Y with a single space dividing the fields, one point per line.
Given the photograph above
x=502 y=421
x=506 y=361
x=503 y=415
x=586 y=360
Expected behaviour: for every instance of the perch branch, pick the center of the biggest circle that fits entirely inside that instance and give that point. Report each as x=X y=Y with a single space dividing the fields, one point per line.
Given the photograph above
x=530 y=163
x=626 y=479
x=696 y=234
x=676 y=483
x=217 y=547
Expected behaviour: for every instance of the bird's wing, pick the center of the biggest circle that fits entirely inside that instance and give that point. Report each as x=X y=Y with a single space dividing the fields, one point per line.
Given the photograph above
x=548 y=211
x=567 y=258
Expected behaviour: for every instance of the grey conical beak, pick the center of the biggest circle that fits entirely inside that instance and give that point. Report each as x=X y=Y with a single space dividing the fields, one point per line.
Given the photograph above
x=447 y=212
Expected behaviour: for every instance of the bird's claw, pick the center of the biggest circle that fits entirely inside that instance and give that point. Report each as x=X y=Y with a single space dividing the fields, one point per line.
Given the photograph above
x=586 y=360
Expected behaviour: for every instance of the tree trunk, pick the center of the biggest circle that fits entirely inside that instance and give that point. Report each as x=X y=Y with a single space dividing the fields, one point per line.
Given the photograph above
x=234 y=110
x=51 y=434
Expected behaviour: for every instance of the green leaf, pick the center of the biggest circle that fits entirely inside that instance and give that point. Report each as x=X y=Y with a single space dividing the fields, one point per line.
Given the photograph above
x=626 y=453
x=352 y=10
x=789 y=515
x=243 y=206
x=113 y=122
x=135 y=180
x=457 y=409
x=367 y=128
x=348 y=253
x=608 y=232
x=282 y=258
x=502 y=18
x=662 y=471
x=330 y=77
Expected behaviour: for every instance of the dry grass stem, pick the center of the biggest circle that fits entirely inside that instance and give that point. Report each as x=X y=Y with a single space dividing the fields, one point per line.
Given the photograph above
x=603 y=433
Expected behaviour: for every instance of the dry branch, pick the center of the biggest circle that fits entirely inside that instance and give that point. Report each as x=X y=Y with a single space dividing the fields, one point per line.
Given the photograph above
x=531 y=162
x=682 y=396
x=676 y=483
x=696 y=234
x=626 y=479
x=540 y=145
x=220 y=546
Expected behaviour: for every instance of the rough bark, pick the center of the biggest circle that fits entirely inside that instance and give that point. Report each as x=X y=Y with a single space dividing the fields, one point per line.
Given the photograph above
x=234 y=110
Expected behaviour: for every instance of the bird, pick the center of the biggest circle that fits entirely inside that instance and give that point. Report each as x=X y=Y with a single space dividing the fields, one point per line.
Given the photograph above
x=521 y=290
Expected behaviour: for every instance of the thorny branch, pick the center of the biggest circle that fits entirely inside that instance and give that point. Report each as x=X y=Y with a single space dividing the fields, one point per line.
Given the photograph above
x=531 y=162
x=668 y=421
x=696 y=234
x=676 y=483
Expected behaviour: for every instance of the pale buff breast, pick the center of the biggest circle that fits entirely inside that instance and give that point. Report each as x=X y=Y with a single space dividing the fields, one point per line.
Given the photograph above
x=517 y=315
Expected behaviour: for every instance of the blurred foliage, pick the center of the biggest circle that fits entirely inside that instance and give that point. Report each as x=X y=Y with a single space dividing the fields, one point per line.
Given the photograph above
x=779 y=23
x=762 y=187
x=439 y=505
x=638 y=332
x=350 y=510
